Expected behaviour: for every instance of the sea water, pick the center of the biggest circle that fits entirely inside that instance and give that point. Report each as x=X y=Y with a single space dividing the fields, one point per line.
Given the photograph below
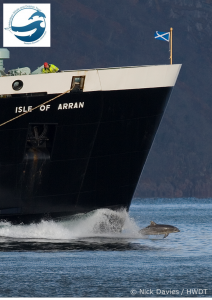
x=72 y=258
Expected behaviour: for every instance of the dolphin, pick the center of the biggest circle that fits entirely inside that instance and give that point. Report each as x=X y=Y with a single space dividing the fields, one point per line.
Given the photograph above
x=154 y=229
x=37 y=13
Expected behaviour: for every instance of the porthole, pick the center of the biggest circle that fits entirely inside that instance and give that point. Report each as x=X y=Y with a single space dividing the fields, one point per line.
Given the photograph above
x=17 y=85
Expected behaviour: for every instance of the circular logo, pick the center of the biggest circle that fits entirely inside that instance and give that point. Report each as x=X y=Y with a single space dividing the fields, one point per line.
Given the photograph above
x=28 y=24
x=133 y=292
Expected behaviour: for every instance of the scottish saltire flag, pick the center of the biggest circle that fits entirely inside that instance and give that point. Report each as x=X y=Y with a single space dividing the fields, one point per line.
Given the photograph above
x=164 y=36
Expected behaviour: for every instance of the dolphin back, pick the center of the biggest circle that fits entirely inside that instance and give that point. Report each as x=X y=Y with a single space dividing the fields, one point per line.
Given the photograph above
x=154 y=229
x=38 y=14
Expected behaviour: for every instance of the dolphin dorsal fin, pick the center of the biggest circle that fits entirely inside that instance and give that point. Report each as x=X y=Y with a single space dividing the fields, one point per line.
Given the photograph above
x=152 y=223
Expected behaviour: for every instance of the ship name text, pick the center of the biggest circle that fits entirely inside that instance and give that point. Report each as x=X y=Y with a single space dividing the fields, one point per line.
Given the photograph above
x=61 y=106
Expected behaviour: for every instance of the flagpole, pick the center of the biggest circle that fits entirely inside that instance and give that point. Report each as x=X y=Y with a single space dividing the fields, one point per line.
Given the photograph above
x=171 y=45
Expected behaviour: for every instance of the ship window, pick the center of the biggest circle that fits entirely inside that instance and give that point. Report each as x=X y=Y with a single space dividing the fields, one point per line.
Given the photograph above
x=77 y=83
x=17 y=85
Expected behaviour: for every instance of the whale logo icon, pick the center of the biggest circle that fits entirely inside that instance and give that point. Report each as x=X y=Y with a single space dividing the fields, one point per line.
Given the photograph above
x=28 y=24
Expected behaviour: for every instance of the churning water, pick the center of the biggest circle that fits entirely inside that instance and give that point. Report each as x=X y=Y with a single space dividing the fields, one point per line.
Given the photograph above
x=88 y=255
x=100 y=223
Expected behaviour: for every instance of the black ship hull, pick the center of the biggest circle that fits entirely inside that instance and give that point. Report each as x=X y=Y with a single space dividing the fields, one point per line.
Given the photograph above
x=83 y=152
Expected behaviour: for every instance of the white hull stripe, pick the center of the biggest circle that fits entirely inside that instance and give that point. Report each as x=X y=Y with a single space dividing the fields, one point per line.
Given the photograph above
x=95 y=80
